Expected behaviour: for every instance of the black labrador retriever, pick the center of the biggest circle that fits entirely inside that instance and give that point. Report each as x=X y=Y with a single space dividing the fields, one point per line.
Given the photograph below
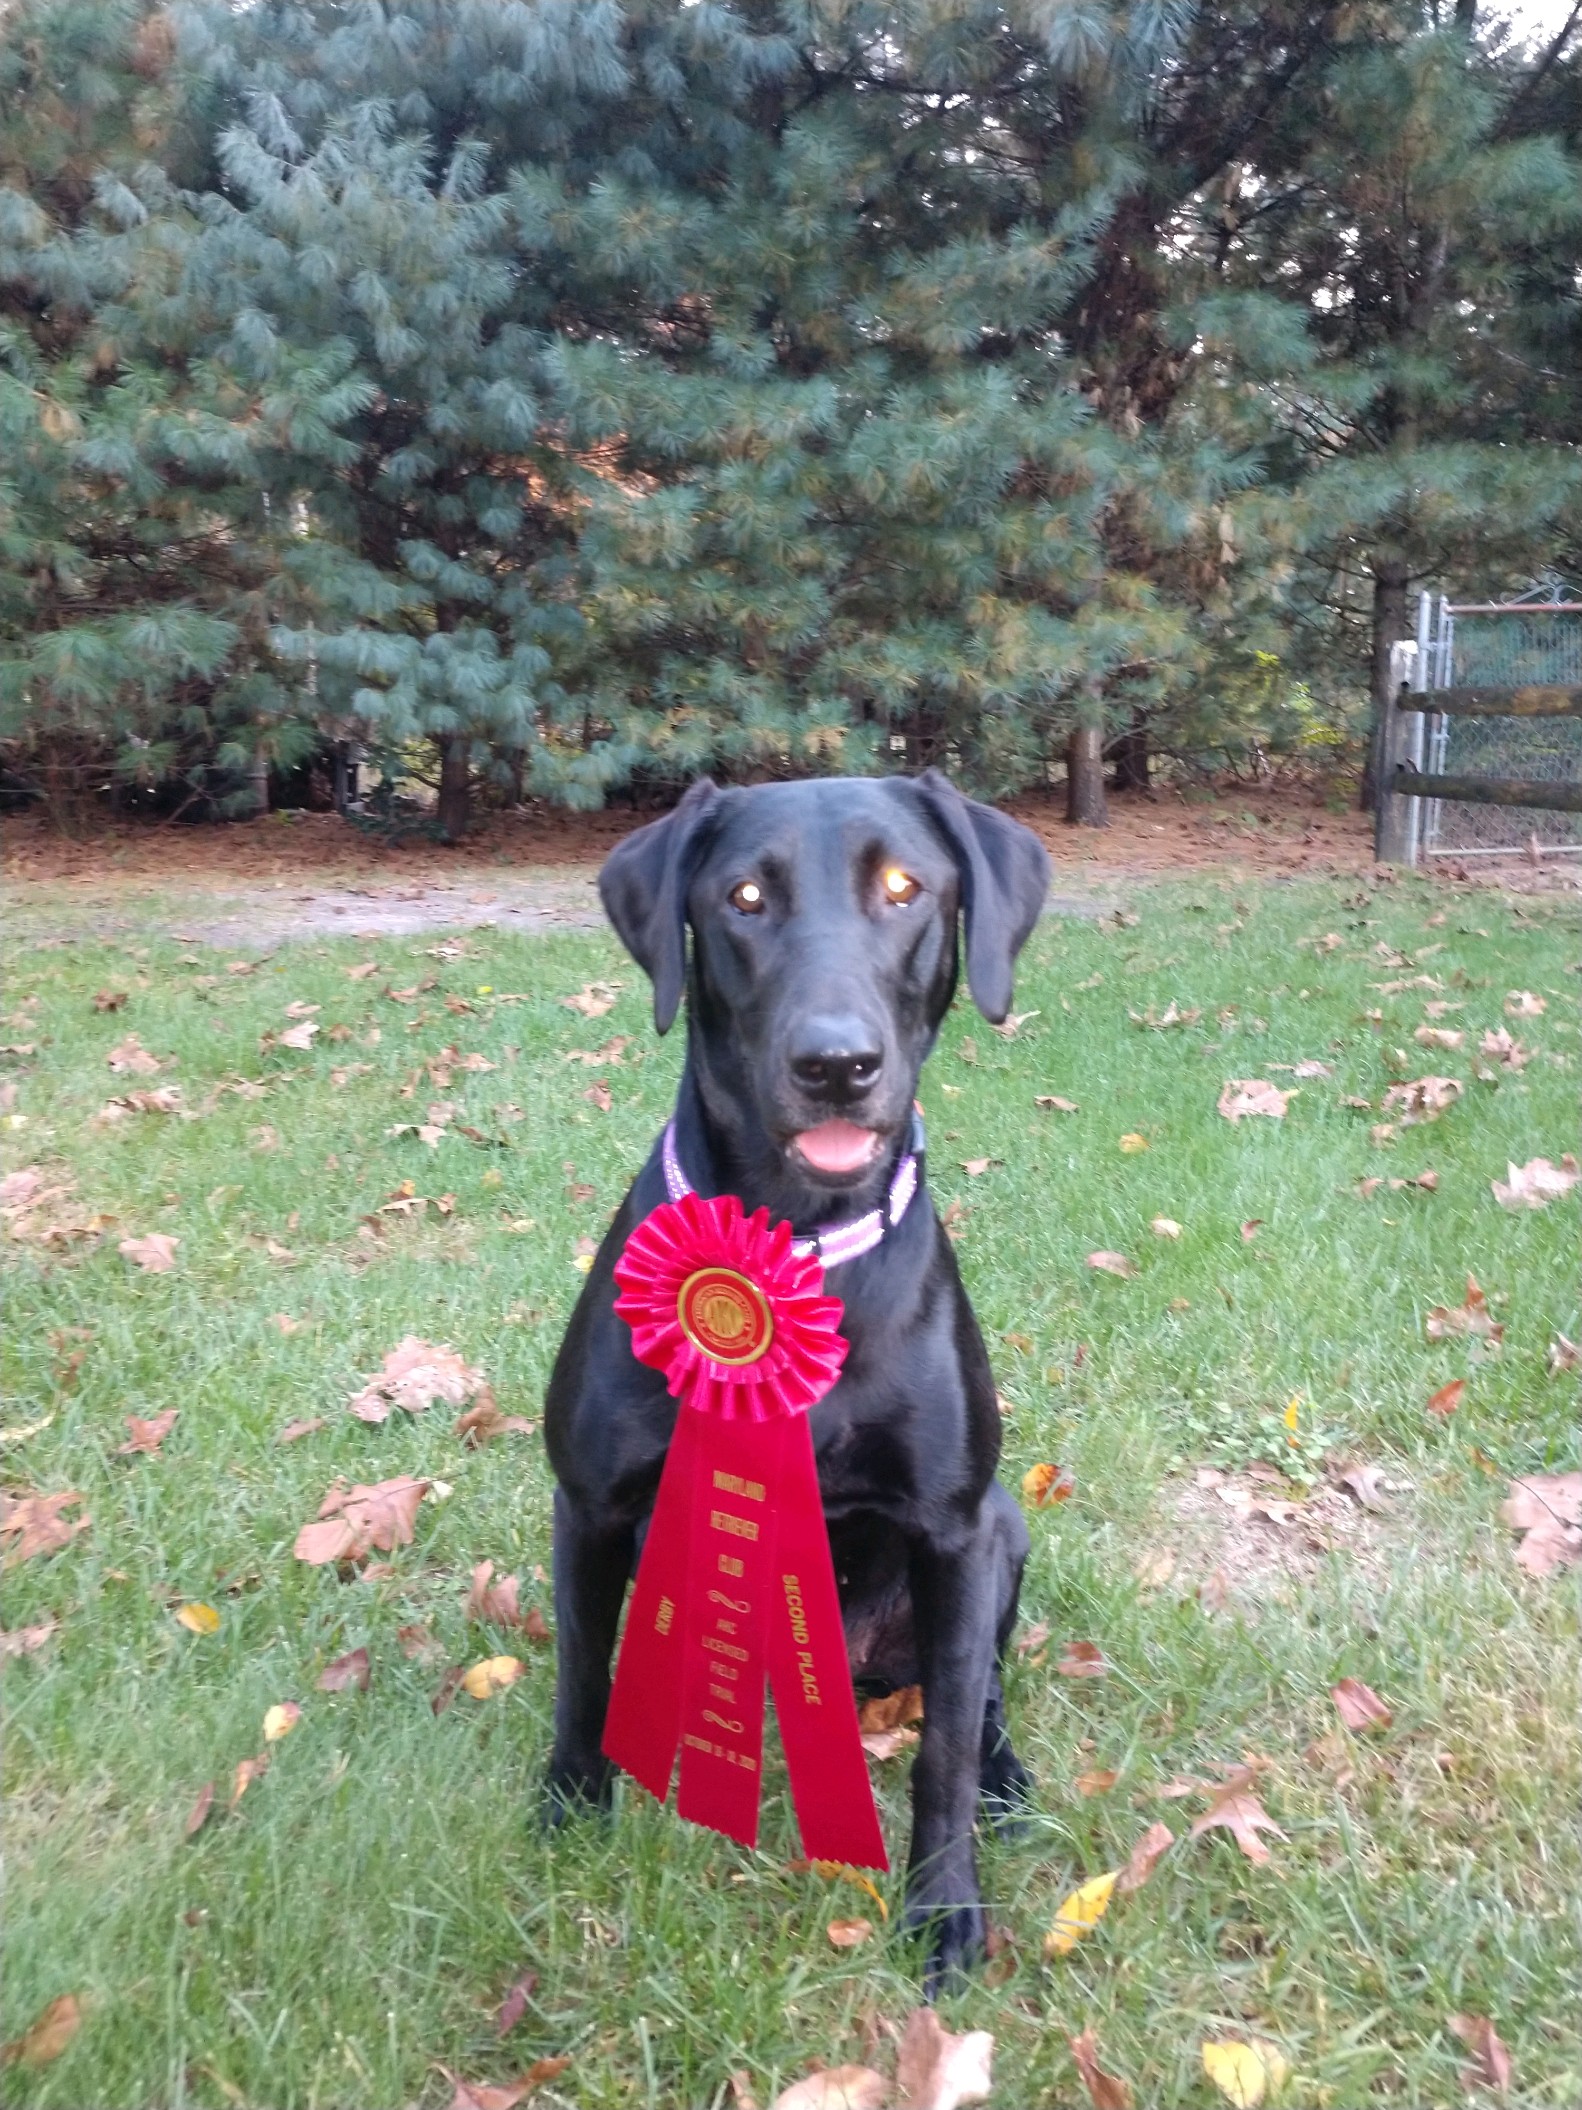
x=824 y=956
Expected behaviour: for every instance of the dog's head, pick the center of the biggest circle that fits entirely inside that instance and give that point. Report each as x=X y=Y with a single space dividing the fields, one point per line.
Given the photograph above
x=824 y=921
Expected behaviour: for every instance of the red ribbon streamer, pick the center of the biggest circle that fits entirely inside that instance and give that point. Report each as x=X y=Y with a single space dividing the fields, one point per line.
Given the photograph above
x=735 y=1585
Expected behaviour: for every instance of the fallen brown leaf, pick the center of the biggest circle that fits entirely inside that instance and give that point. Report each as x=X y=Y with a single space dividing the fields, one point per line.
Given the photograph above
x=892 y=1710
x=1253 y=1095
x=198 y=1815
x=835 y=2088
x=47 y=2036
x=598 y=1094
x=1424 y=1099
x=494 y=1674
x=1082 y=1659
x=849 y=1934
x=1113 y=1264
x=355 y=1520
x=1563 y=1355
x=1446 y=1400
x=1044 y=1485
x=109 y=999
x=1052 y=1103
x=155 y=1254
x=593 y=999
x=1359 y=1706
x=514 y=2006
x=1099 y=1782
x=483 y=1421
x=489 y=2095
x=1448 y=1037
x=1106 y=2091
x=1473 y=1317
x=23 y=1640
x=1237 y=1810
x=888 y=1743
x=413 y=1376
x=448 y=1688
x=1537 y=1183
x=1505 y=1052
x=1145 y=1857
x=147 y=1436
x=295 y=1430
x=35 y=1524
x=1521 y=1003
x=937 y=2071
x=349 y=1673
x=1033 y=1639
x=1491 y=2062
x=1547 y=1509
x=130 y=1058
x=247 y=1771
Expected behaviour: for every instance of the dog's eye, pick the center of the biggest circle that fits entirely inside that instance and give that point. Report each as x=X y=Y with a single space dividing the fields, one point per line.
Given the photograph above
x=747 y=897
x=899 y=887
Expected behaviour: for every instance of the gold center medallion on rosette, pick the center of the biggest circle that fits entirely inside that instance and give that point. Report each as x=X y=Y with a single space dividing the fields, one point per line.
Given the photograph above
x=726 y=1315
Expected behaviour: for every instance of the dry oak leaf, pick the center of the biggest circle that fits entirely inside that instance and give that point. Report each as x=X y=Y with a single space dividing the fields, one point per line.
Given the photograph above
x=1521 y=1003
x=1099 y=1782
x=109 y=999
x=1235 y=1808
x=198 y=1815
x=147 y=1436
x=1491 y=2062
x=1052 y=1103
x=1144 y=1857
x=155 y=1254
x=1564 y=1355
x=495 y=1604
x=1164 y=1227
x=1245 y=2073
x=198 y=1618
x=1130 y=1144
x=492 y=1675
x=130 y=1058
x=248 y=1770
x=1424 y=1099
x=1445 y=1401
x=1537 y=1183
x=348 y=1673
x=849 y=1934
x=1252 y=1095
x=414 y=1374
x=514 y=2005
x=887 y=1743
x=489 y=2095
x=892 y=1710
x=47 y=2036
x=593 y=999
x=1033 y=1639
x=1112 y=1264
x=484 y=1421
x=1472 y=1317
x=1170 y=1016
x=936 y=2071
x=1359 y=1706
x=1080 y=1914
x=1446 y=1037
x=1547 y=1509
x=352 y=1521
x=1044 y=1485
x=974 y=1167
x=295 y=1430
x=598 y=1094
x=35 y=1524
x=835 y=2088
x=1082 y=1659
x=23 y=1640
x=160 y=1099
x=1106 y=2091
x=1501 y=1049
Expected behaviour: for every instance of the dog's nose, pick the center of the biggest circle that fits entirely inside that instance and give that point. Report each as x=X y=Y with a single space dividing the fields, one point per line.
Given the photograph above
x=836 y=1058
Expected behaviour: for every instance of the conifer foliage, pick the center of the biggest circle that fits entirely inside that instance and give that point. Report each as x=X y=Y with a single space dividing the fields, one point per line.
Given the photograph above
x=561 y=397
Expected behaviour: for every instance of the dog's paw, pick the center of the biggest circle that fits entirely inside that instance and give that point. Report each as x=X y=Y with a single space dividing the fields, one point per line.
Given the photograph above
x=955 y=1936
x=571 y=1792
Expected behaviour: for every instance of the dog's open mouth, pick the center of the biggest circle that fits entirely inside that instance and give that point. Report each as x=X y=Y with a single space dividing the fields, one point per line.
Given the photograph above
x=837 y=1147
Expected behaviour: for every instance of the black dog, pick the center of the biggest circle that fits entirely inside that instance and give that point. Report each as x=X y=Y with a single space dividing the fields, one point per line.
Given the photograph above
x=824 y=956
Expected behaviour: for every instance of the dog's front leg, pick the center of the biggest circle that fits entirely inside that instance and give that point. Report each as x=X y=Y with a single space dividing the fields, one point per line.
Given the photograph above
x=591 y=1569
x=953 y=1610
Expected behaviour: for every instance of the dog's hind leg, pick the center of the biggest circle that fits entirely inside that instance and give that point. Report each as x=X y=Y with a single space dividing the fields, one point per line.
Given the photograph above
x=591 y=1569
x=1005 y=1786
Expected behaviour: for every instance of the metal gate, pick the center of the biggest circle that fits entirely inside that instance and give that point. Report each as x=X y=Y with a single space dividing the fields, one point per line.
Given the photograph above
x=1520 y=653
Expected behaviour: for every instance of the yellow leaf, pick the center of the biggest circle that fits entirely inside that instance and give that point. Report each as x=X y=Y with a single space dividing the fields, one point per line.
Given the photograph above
x=281 y=1720
x=1292 y=1410
x=1081 y=1912
x=198 y=1618
x=493 y=1675
x=1131 y=1144
x=838 y=1871
x=1244 y=2073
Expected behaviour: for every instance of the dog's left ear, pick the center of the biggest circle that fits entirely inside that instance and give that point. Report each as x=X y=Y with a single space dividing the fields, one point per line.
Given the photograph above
x=644 y=890
x=1004 y=876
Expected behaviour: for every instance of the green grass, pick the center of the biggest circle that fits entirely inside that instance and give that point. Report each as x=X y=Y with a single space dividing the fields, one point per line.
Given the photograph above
x=360 y=1915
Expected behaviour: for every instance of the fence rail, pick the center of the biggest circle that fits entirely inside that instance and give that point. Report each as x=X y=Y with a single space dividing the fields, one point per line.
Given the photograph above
x=1533 y=700
x=1545 y=795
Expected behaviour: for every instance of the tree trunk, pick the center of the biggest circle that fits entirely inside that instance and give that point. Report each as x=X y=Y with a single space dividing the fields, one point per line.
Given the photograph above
x=1131 y=756
x=258 y=784
x=455 y=786
x=1389 y=628
x=1085 y=806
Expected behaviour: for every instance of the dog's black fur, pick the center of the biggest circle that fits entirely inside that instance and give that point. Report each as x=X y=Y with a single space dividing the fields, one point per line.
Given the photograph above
x=822 y=1004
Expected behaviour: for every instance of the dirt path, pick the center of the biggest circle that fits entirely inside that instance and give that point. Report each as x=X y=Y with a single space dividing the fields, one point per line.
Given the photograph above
x=254 y=885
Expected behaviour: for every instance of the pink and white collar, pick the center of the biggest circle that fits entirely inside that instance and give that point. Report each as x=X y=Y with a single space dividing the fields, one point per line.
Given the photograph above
x=835 y=1243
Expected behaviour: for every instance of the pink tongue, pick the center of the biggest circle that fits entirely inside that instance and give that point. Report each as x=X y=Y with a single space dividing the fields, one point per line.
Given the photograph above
x=838 y=1146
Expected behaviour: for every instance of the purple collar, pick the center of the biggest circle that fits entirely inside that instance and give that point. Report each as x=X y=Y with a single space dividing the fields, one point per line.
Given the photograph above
x=836 y=1243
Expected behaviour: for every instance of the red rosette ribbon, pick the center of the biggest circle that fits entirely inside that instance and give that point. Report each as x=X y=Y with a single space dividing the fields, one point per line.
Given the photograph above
x=736 y=1587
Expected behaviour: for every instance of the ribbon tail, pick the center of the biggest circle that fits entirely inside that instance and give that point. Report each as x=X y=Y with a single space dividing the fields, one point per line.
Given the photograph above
x=809 y=1673
x=727 y=1614
x=642 y=1726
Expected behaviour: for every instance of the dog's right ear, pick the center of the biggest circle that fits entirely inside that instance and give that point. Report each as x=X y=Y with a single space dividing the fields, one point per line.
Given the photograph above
x=644 y=890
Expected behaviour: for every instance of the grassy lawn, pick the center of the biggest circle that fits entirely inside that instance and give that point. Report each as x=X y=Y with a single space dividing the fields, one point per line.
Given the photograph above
x=360 y=1914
